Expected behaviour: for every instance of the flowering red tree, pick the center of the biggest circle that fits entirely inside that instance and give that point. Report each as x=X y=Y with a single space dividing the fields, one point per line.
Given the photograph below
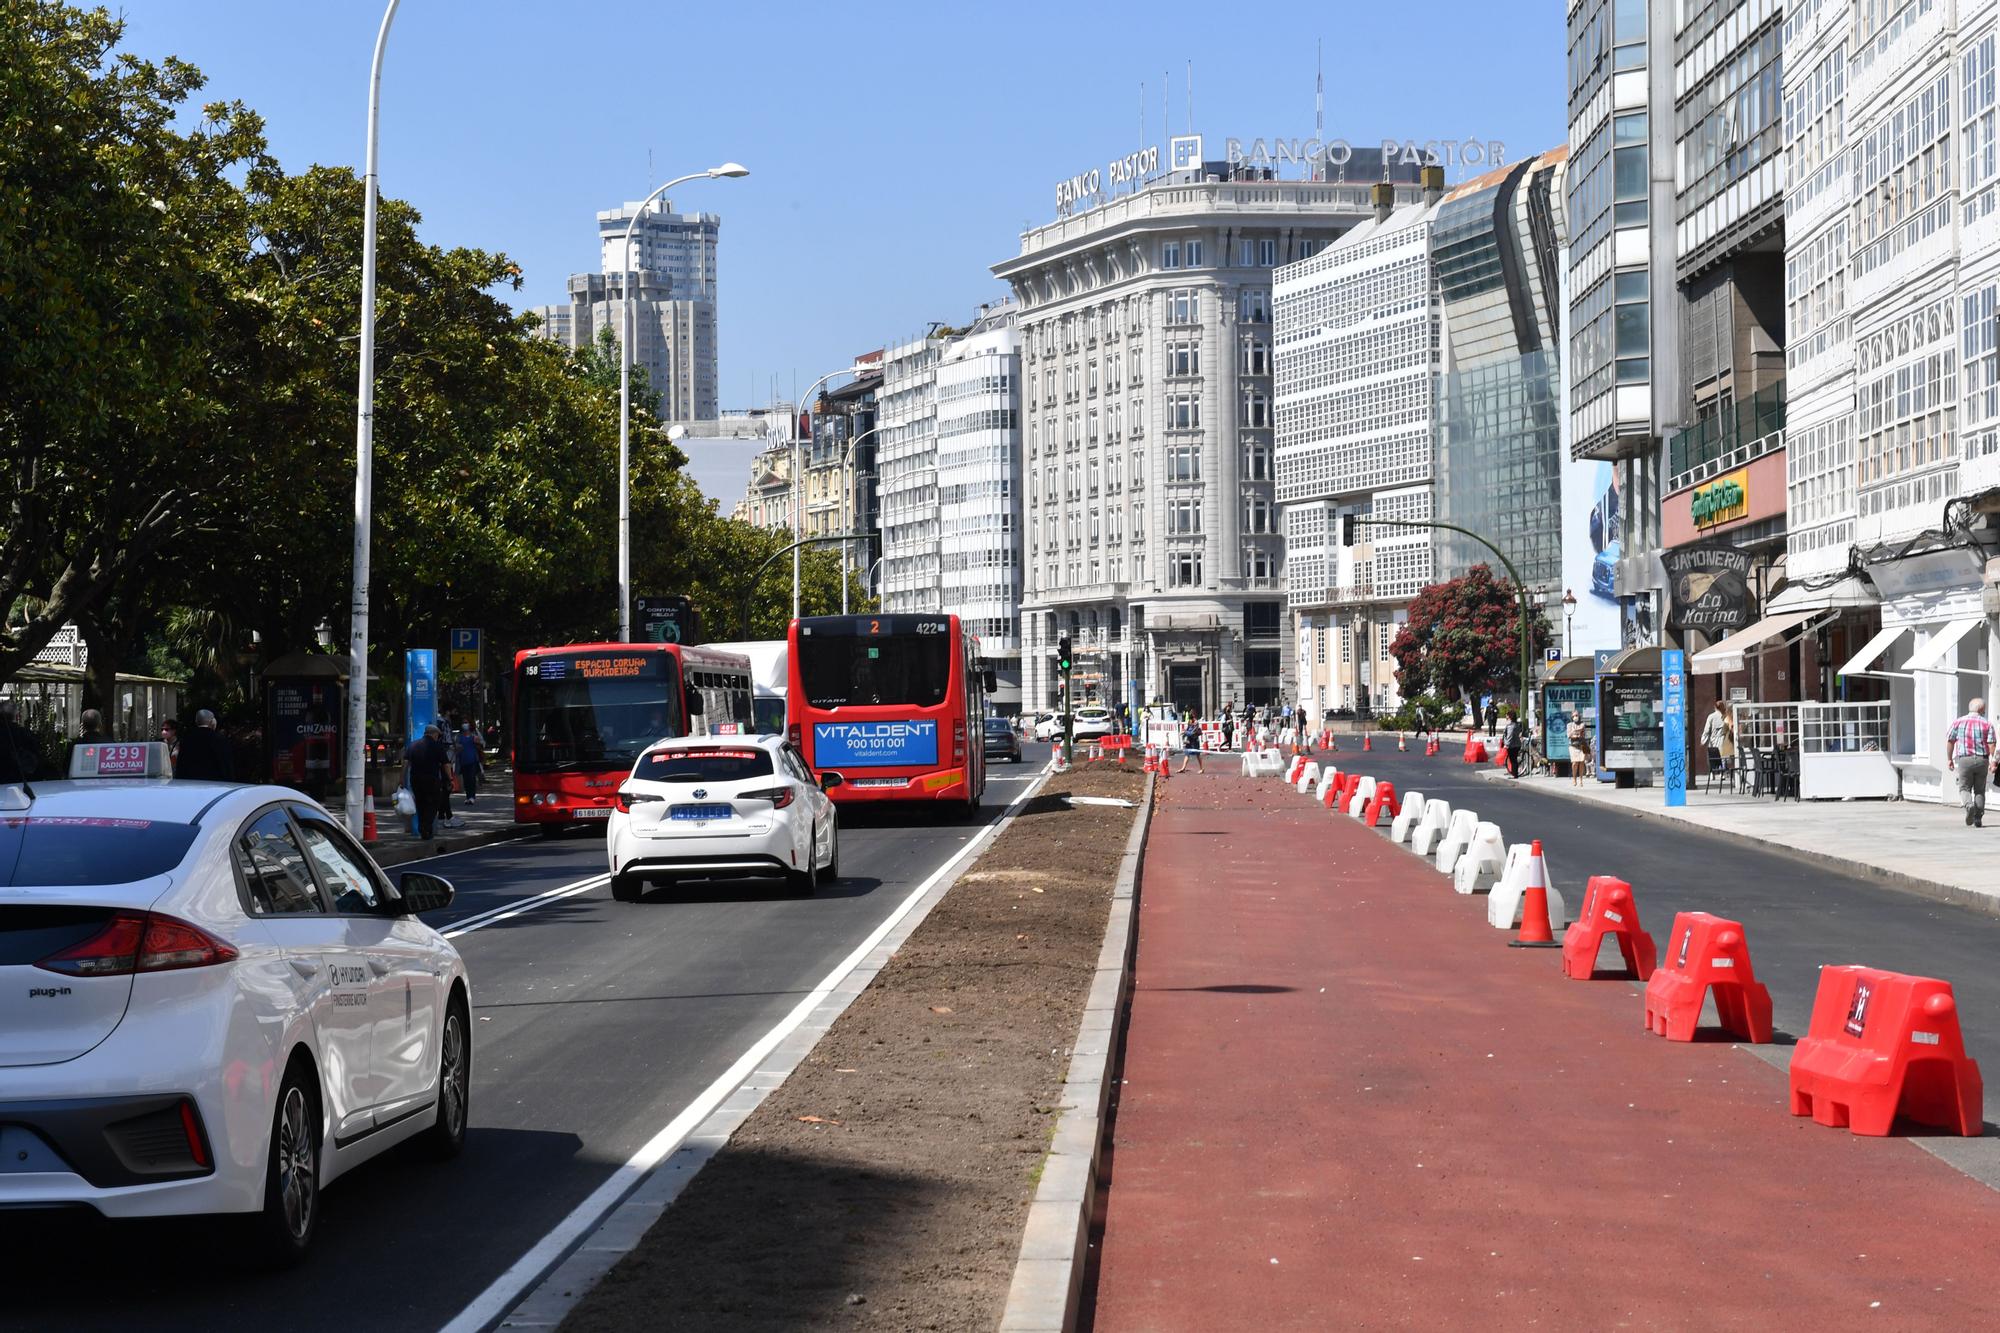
x=1464 y=638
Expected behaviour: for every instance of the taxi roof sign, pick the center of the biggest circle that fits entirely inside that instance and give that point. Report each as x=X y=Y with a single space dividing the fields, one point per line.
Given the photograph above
x=120 y=759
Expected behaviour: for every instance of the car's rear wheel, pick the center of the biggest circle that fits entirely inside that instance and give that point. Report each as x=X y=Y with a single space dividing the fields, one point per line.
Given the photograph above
x=282 y=1232
x=626 y=888
x=446 y=1138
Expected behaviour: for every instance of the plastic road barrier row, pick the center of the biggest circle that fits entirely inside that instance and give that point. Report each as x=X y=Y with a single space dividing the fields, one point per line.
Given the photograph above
x=1457 y=837
x=1382 y=801
x=1408 y=817
x=1503 y=904
x=1308 y=775
x=1327 y=777
x=1356 y=799
x=1430 y=828
x=1485 y=854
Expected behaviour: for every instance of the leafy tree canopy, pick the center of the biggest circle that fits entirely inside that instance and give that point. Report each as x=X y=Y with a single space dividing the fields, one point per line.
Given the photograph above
x=1463 y=638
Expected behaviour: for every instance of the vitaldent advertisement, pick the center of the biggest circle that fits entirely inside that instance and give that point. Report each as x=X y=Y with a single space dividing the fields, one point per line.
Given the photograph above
x=1590 y=535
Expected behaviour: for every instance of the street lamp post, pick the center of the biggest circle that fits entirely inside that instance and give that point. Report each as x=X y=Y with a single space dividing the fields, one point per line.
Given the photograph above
x=731 y=169
x=364 y=455
x=1569 y=614
x=798 y=477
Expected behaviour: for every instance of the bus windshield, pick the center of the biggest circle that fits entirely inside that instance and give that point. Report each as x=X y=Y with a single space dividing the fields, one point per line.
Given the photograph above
x=863 y=669
x=594 y=710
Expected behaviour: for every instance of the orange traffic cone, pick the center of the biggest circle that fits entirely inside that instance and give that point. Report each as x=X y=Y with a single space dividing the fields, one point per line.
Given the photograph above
x=1535 y=932
x=1367 y=742
x=368 y=833
x=1402 y=744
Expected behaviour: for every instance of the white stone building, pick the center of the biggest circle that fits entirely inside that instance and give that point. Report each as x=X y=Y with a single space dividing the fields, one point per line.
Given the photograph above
x=1151 y=533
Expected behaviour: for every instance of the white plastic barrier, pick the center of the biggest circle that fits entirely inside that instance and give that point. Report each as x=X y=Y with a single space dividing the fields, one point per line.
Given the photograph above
x=1503 y=905
x=1273 y=761
x=1308 y=775
x=1327 y=777
x=1457 y=837
x=1406 y=819
x=1486 y=854
x=1252 y=766
x=1430 y=829
x=1364 y=791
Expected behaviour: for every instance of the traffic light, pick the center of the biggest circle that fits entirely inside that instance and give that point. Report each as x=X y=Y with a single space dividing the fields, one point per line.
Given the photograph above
x=1062 y=653
x=1348 y=524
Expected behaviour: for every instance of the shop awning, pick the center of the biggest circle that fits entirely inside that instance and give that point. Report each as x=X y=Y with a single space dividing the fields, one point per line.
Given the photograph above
x=1847 y=593
x=1727 y=655
x=1941 y=645
x=1863 y=662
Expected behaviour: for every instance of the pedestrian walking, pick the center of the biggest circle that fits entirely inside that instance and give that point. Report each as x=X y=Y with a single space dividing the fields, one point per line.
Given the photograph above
x=427 y=773
x=471 y=761
x=1510 y=741
x=1579 y=747
x=1191 y=746
x=1228 y=730
x=1969 y=743
x=1718 y=737
x=204 y=753
x=20 y=752
x=1492 y=717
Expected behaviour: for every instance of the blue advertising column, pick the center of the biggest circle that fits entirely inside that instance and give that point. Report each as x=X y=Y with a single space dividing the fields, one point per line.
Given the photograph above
x=1673 y=716
x=420 y=689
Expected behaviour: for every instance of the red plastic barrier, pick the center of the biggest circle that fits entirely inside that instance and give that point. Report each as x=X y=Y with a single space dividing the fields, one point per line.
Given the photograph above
x=1292 y=773
x=1332 y=788
x=1383 y=802
x=1883 y=1044
x=1608 y=909
x=1707 y=951
x=1349 y=784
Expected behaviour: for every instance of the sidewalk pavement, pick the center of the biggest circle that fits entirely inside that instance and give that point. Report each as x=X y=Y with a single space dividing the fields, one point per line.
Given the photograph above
x=488 y=819
x=1347 y=1104
x=1918 y=845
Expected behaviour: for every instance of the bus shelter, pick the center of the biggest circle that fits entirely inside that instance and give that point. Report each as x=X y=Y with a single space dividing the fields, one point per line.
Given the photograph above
x=1568 y=688
x=1631 y=733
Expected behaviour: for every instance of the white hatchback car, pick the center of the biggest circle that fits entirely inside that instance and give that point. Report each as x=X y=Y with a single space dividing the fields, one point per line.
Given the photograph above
x=722 y=807
x=212 y=1001
x=1093 y=722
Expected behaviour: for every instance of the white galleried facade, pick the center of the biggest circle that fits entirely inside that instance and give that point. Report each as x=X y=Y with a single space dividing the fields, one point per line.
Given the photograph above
x=1152 y=538
x=906 y=459
x=1892 y=218
x=979 y=492
x=1357 y=348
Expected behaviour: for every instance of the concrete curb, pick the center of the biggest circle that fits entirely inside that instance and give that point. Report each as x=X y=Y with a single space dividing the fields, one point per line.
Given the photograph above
x=1048 y=1276
x=1936 y=890
x=403 y=855
x=559 y=1290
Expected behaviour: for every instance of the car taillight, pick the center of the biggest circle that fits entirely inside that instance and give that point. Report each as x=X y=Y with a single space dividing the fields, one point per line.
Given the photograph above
x=139 y=942
x=779 y=797
x=792 y=735
x=958 y=741
x=191 y=1127
x=627 y=799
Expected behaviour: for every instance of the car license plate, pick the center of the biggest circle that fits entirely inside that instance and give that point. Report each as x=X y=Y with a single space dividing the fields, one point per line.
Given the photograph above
x=702 y=811
x=591 y=812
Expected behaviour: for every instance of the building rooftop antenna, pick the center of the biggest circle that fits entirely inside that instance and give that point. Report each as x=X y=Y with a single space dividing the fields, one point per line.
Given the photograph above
x=1319 y=89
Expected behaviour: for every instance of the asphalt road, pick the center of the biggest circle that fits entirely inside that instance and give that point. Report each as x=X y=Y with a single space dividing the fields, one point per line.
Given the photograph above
x=1797 y=915
x=595 y=1023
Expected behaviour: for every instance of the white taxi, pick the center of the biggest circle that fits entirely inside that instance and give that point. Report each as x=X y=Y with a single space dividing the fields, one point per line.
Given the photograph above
x=212 y=1000
x=709 y=807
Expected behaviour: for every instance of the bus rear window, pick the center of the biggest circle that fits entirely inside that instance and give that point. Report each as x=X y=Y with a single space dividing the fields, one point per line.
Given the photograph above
x=703 y=765
x=875 y=669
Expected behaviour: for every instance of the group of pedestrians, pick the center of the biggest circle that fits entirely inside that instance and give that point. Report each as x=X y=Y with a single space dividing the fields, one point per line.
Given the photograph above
x=431 y=764
x=203 y=755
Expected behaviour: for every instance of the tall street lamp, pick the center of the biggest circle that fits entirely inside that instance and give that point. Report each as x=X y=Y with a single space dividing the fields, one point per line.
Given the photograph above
x=1569 y=614
x=364 y=457
x=731 y=169
x=846 y=494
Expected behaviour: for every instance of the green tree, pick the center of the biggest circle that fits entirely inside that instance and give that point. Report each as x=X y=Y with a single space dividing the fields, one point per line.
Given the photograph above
x=1463 y=638
x=116 y=232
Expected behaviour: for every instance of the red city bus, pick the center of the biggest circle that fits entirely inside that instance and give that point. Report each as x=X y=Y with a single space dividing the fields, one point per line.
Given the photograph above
x=892 y=703
x=584 y=712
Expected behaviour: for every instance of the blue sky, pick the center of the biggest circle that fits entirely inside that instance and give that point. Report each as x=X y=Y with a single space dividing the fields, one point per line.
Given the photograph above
x=896 y=150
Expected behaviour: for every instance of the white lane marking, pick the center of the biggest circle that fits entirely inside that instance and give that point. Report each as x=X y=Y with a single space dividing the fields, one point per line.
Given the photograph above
x=466 y=851
x=492 y=915
x=507 y=1290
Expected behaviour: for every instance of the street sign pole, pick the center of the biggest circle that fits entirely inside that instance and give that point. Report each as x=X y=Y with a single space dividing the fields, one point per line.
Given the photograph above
x=1673 y=715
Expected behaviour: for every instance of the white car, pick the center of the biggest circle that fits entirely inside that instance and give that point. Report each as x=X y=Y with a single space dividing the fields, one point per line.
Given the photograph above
x=212 y=1001
x=1048 y=726
x=1093 y=722
x=708 y=807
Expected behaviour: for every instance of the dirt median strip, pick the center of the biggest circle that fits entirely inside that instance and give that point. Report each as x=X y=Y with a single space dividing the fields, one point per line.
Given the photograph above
x=887 y=1182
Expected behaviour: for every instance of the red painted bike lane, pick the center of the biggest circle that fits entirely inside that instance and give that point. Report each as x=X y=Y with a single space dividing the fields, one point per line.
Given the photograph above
x=1347 y=1104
